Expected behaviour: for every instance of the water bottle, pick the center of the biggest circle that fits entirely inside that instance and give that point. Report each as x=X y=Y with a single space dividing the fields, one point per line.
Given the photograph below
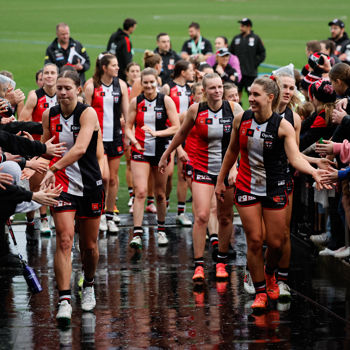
x=32 y=281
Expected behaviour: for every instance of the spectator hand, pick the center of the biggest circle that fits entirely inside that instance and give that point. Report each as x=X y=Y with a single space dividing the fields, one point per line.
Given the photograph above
x=330 y=176
x=27 y=173
x=54 y=150
x=219 y=70
x=47 y=196
x=324 y=163
x=337 y=116
x=26 y=135
x=37 y=165
x=324 y=148
x=12 y=157
x=341 y=104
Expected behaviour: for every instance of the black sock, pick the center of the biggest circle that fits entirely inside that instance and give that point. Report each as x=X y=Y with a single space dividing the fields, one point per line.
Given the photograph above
x=269 y=270
x=214 y=241
x=181 y=207
x=88 y=282
x=30 y=221
x=167 y=201
x=221 y=257
x=43 y=216
x=131 y=191
x=109 y=215
x=138 y=231
x=199 y=262
x=260 y=287
x=282 y=274
x=64 y=295
x=150 y=200
x=161 y=226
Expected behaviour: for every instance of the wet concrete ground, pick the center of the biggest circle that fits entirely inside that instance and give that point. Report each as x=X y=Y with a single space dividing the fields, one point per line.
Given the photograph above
x=149 y=301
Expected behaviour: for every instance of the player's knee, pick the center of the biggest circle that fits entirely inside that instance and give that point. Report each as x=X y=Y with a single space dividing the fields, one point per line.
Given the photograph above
x=202 y=217
x=65 y=241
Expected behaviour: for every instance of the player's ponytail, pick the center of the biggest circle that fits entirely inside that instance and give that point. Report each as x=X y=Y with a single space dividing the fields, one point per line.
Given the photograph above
x=271 y=85
x=102 y=60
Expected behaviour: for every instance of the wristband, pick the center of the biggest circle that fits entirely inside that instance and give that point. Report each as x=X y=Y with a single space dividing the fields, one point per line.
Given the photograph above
x=53 y=169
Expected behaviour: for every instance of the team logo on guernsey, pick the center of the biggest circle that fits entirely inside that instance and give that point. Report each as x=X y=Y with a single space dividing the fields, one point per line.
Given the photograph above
x=250 y=132
x=59 y=127
x=208 y=121
x=144 y=109
x=102 y=93
x=46 y=105
x=268 y=144
x=159 y=115
x=179 y=93
x=227 y=128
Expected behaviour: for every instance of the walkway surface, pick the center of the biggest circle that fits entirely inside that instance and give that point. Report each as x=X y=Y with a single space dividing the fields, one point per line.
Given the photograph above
x=148 y=301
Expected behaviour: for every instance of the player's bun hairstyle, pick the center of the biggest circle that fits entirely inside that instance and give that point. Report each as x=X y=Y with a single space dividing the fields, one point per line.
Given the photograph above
x=341 y=71
x=71 y=74
x=151 y=59
x=102 y=60
x=149 y=71
x=270 y=85
x=180 y=66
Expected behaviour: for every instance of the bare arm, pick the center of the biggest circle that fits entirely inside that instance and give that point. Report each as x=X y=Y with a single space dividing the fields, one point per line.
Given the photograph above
x=125 y=98
x=26 y=114
x=297 y=126
x=136 y=89
x=130 y=121
x=89 y=92
x=180 y=136
x=230 y=158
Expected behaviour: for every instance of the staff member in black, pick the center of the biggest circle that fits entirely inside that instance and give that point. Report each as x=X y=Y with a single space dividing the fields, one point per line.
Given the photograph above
x=340 y=39
x=196 y=44
x=250 y=51
x=169 y=57
x=65 y=50
x=119 y=45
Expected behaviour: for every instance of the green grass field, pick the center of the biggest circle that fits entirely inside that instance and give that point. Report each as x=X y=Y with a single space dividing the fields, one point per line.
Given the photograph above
x=27 y=27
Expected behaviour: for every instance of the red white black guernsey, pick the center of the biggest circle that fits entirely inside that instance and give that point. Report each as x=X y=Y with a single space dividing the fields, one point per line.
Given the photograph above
x=263 y=164
x=288 y=115
x=213 y=132
x=43 y=103
x=83 y=176
x=181 y=95
x=153 y=114
x=107 y=103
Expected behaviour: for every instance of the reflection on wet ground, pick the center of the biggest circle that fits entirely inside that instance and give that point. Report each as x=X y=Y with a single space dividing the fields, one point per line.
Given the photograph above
x=148 y=300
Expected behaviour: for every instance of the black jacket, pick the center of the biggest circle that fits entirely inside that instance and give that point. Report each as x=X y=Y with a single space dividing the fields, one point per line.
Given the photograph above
x=20 y=145
x=75 y=53
x=30 y=127
x=250 y=51
x=13 y=195
x=119 y=44
x=169 y=59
